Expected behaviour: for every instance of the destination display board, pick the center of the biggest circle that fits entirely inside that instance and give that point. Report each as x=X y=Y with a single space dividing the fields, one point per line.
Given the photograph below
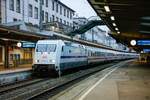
x=143 y=42
x=28 y=45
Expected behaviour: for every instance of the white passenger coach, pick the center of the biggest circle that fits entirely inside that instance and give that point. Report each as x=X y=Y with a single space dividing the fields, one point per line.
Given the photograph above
x=58 y=55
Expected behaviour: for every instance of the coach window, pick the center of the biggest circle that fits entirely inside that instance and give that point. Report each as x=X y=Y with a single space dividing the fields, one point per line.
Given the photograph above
x=88 y=53
x=62 y=49
x=69 y=51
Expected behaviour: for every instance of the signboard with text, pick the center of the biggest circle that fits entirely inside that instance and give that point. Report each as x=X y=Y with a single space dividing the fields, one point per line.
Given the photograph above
x=143 y=42
x=28 y=45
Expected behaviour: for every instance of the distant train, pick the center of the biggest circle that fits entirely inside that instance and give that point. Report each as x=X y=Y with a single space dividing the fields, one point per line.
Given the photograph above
x=58 y=55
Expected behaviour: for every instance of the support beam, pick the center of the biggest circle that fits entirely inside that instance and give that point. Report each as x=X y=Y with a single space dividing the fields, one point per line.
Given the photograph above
x=6 y=63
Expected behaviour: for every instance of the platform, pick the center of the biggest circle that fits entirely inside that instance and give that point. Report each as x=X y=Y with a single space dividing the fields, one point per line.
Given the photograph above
x=20 y=68
x=130 y=82
x=127 y=81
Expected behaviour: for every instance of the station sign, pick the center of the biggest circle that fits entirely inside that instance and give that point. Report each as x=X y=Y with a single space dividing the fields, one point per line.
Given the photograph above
x=146 y=50
x=143 y=42
x=28 y=45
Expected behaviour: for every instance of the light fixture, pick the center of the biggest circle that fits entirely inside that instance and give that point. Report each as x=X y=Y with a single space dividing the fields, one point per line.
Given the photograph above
x=107 y=8
x=114 y=24
x=118 y=32
x=116 y=29
x=19 y=44
x=142 y=51
x=112 y=18
x=133 y=42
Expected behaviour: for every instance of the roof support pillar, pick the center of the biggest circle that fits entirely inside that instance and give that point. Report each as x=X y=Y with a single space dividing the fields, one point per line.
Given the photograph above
x=6 y=62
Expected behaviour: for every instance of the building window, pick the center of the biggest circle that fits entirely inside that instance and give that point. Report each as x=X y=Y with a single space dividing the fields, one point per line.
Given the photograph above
x=68 y=23
x=53 y=5
x=50 y=19
x=46 y=3
x=36 y=0
x=11 y=5
x=57 y=19
x=53 y=18
x=60 y=20
x=57 y=7
x=36 y=13
x=0 y=20
x=30 y=10
x=60 y=9
x=64 y=12
x=18 y=6
x=64 y=22
x=70 y=15
x=42 y=2
x=67 y=13
x=42 y=15
x=14 y=19
x=46 y=16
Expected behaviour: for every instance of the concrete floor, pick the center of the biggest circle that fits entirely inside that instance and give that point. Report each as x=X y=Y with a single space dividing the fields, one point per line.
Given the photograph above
x=129 y=82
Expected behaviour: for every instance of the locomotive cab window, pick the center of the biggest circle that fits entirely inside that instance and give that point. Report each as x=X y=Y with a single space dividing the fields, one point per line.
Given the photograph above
x=41 y=48
x=51 y=47
x=46 y=48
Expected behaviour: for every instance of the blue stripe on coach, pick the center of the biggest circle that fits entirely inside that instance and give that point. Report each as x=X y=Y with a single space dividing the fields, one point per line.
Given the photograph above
x=73 y=56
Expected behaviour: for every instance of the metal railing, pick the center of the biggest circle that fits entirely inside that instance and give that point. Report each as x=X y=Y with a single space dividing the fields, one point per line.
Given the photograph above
x=57 y=27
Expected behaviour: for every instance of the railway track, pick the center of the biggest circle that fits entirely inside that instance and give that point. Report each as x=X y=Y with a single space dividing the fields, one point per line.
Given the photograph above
x=39 y=89
x=8 y=88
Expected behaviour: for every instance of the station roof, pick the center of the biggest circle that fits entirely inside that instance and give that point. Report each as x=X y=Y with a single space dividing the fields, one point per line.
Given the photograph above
x=131 y=17
x=14 y=35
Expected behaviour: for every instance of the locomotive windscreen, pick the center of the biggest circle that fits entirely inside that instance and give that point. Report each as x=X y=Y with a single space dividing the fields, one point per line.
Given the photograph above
x=46 y=48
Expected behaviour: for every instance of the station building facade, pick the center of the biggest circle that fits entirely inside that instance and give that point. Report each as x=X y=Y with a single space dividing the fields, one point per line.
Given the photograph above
x=96 y=34
x=37 y=12
x=34 y=13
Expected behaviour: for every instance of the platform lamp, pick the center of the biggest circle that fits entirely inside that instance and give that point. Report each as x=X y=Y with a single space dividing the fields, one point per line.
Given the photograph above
x=133 y=42
x=19 y=44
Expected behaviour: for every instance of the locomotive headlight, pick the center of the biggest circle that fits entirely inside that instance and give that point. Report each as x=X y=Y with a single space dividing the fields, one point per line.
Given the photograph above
x=36 y=61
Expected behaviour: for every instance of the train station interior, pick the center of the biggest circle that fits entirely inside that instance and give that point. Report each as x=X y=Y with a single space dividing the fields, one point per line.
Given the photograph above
x=90 y=63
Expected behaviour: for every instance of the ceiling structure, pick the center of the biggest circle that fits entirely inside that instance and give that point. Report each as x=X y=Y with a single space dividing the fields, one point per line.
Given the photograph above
x=128 y=19
x=10 y=36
